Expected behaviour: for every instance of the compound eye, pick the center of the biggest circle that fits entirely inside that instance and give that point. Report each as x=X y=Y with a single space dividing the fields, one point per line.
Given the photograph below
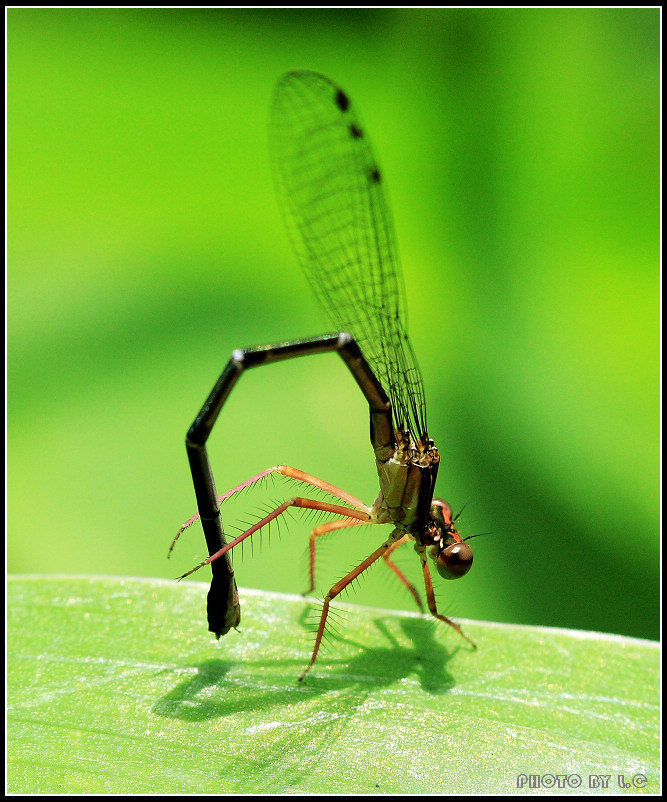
x=454 y=561
x=443 y=507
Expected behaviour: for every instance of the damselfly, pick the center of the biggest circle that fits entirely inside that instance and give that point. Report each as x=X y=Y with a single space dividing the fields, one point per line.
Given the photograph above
x=330 y=188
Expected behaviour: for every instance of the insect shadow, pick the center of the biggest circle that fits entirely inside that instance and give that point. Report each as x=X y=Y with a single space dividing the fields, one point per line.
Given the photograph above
x=381 y=666
x=212 y=692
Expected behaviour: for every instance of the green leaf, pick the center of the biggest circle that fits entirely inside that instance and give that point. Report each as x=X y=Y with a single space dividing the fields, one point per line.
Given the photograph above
x=115 y=686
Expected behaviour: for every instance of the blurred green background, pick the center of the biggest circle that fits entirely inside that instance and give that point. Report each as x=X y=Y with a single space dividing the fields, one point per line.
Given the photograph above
x=521 y=152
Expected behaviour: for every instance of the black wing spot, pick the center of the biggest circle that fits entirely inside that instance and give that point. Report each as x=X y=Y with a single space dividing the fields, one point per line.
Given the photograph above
x=374 y=175
x=356 y=132
x=342 y=100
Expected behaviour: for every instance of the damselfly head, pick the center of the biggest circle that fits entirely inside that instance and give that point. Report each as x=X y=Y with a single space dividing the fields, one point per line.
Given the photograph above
x=453 y=557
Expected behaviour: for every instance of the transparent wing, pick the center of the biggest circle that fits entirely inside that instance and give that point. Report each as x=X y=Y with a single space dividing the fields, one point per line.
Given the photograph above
x=330 y=189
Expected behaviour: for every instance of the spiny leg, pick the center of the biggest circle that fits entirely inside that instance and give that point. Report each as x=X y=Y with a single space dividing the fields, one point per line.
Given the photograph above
x=392 y=565
x=298 y=501
x=430 y=600
x=324 y=529
x=340 y=586
x=331 y=526
x=283 y=470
